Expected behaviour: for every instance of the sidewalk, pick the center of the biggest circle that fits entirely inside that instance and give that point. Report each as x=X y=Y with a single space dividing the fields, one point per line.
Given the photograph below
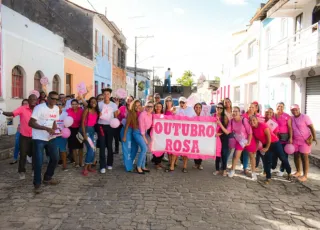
x=6 y=146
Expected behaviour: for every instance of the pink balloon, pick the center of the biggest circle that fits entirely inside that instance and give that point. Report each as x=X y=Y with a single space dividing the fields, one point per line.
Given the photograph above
x=121 y=93
x=289 y=148
x=114 y=123
x=65 y=133
x=68 y=121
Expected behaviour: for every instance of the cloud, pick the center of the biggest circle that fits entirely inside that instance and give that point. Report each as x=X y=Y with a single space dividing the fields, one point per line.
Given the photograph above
x=235 y=2
x=178 y=10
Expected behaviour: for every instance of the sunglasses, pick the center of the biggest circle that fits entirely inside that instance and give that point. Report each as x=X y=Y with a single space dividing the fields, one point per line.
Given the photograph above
x=149 y=106
x=169 y=100
x=54 y=98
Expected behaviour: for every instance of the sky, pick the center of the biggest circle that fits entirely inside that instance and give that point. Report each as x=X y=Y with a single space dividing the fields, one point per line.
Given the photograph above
x=187 y=34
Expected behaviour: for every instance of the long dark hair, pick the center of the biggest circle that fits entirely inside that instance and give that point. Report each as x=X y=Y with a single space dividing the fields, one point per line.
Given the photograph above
x=158 y=103
x=96 y=108
x=223 y=115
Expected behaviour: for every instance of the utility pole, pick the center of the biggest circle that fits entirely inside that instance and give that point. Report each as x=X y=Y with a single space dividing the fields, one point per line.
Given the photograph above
x=155 y=67
x=135 y=64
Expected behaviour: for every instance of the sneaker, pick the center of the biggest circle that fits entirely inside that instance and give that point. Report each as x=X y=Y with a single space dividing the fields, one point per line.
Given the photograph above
x=231 y=173
x=109 y=167
x=280 y=174
x=254 y=176
x=22 y=176
x=103 y=171
x=274 y=170
x=65 y=169
x=37 y=189
x=29 y=159
x=216 y=173
x=51 y=182
x=200 y=167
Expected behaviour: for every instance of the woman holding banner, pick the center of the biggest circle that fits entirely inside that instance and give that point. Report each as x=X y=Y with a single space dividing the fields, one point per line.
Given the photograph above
x=222 y=160
x=197 y=162
x=168 y=109
x=242 y=132
x=158 y=109
x=129 y=145
x=89 y=120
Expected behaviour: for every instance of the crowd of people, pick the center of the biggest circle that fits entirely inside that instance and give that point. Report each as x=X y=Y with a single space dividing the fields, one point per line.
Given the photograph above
x=42 y=120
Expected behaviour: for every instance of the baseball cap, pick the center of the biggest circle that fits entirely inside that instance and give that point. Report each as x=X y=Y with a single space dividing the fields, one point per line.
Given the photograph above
x=294 y=106
x=183 y=99
x=255 y=102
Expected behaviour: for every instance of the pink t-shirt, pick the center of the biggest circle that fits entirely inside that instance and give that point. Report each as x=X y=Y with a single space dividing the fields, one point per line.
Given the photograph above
x=145 y=122
x=92 y=119
x=123 y=113
x=25 y=114
x=260 y=135
x=168 y=113
x=76 y=117
x=282 y=121
x=300 y=127
x=240 y=127
x=276 y=130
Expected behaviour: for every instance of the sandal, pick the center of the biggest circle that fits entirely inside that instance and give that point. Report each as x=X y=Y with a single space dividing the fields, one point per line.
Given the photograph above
x=169 y=169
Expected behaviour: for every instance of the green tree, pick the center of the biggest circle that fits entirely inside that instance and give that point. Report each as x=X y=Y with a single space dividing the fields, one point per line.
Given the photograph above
x=141 y=85
x=216 y=78
x=186 y=79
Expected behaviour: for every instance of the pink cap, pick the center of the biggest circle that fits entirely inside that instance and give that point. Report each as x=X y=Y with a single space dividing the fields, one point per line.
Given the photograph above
x=294 y=106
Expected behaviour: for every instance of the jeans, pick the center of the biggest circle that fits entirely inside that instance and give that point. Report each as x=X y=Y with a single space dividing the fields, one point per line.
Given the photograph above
x=90 y=151
x=16 y=146
x=25 y=149
x=167 y=82
x=258 y=157
x=52 y=152
x=275 y=149
x=129 y=149
x=244 y=159
x=105 y=134
x=225 y=152
x=117 y=137
x=143 y=147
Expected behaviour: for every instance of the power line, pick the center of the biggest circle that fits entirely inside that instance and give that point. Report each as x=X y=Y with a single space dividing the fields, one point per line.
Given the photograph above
x=92 y=6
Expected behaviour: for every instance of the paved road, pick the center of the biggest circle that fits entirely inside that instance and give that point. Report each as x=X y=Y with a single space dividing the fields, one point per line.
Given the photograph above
x=175 y=201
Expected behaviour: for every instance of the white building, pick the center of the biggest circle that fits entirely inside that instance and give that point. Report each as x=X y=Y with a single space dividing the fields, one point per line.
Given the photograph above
x=29 y=52
x=290 y=67
x=241 y=72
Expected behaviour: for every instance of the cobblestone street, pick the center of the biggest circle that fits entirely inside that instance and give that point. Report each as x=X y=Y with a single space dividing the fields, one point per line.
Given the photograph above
x=159 y=200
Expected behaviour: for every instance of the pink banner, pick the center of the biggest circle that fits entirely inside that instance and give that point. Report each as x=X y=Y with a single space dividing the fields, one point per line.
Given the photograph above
x=194 y=137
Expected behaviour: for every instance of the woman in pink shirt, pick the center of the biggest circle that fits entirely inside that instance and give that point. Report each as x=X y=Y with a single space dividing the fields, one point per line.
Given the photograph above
x=303 y=136
x=169 y=109
x=271 y=145
x=129 y=146
x=140 y=136
x=89 y=120
x=158 y=109
x=73 y=143
x=285 y=132
x=242 y=132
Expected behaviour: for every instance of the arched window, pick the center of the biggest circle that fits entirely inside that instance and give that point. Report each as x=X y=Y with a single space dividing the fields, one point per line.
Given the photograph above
x=56 y=83
x=17 y=82
x=37 y=76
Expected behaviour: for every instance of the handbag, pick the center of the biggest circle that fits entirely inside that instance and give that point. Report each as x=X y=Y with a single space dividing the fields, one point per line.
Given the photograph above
x=80 y=137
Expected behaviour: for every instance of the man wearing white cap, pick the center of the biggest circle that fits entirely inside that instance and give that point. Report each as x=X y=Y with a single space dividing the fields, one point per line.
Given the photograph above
x=303 y=136
x=183 y=109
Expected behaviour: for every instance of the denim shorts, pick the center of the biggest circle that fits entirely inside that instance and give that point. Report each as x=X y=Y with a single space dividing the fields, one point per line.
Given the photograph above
x=61 y=144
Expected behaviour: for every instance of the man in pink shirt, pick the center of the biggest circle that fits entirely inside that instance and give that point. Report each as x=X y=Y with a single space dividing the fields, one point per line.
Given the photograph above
x=303 y=136
x=25 y=113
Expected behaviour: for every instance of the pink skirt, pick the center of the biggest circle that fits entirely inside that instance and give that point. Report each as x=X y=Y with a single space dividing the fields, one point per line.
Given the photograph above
x=252 y=148
x=301 y=146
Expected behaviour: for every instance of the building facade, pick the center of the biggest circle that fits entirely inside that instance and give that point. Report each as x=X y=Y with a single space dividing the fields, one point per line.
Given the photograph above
x=27 y=57
x=119 y=49
x=290 y=66
x=143 y=82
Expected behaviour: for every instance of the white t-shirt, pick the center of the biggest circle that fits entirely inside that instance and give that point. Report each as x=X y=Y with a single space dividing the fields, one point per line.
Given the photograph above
x=45 y=117
x=107 y=110
x=167 y=74
x=188 y=111
x=60 y=122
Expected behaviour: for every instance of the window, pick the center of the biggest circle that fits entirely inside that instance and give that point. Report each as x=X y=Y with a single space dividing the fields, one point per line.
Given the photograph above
x=284 y=28
x=115 y=56
x=237 y=59
x=298 y=23
x=37 y=84
x=68 y=84
x=17 y=82
x=96 y=85
x=237 y=94
x=102 y=85
x=119 y=57
x=96 y=41
x=251 y=49
x=268 y=37
x=56 y=84
x=103 y=46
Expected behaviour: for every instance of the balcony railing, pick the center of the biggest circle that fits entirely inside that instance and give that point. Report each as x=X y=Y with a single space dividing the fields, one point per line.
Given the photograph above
x=298 y=51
